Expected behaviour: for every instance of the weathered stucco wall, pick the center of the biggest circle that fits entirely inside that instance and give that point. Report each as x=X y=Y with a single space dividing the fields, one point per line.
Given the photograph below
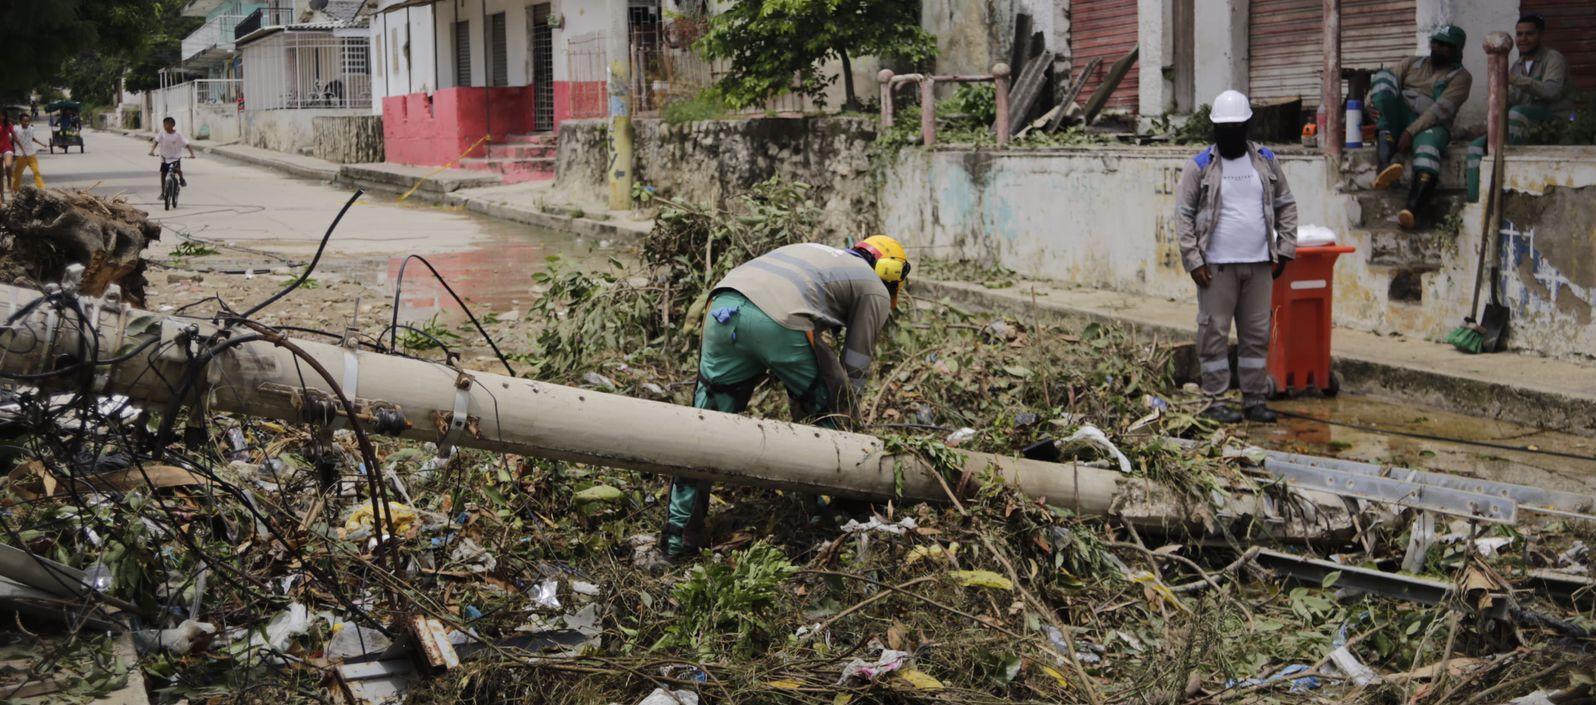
x=292 y=131
x=711 y=161
x=348 y=139
x=1104 y=218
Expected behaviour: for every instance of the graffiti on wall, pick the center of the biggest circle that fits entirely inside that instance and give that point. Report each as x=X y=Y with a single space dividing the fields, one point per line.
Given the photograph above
x=1548 y=253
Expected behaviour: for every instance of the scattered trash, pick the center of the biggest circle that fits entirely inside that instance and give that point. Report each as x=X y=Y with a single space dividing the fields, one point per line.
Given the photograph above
x=661 y=696
x=350 y=640
x=359 y=522
x=182 y=639
x=1298 y=685
x=981 y=578
x=598 y=381
x=1092 y=435
x=959 y=437
x=473 y=556
x=546 y=595
x=888 y=661
x=897 y=528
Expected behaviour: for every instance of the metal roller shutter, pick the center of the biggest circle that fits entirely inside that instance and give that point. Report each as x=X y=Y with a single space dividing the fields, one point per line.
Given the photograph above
x=1286 y=55
x=1105 y=29
x=1571 y=29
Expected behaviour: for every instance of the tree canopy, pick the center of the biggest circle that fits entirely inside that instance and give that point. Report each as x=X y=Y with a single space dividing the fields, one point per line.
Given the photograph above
x=775 y=45
x=85 y=44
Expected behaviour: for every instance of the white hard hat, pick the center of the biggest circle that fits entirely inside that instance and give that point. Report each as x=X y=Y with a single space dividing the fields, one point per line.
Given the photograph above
x=1230 y=107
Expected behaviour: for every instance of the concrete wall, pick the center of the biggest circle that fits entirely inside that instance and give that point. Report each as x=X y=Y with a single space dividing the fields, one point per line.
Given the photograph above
x=217 y=122
x=1478 y=18
x=431 y=130
x=292 y=131
x=712 y=161
x=1220 y=48
x=351 y=139
x=1104 y=218
x=403 y=55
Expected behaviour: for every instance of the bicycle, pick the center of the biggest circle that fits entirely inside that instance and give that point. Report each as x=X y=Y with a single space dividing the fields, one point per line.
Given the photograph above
x=170 y=185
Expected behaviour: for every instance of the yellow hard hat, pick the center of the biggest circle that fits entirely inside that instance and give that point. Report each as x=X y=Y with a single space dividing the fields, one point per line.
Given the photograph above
x=892 y=262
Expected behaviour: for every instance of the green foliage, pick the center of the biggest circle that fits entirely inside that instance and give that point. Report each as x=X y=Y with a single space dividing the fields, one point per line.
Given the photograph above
x=193 y=248
x=707 y=105
x=725 y=609
x=426 y=336
x=85 y=44
x=775 y=45
x=975 y=104
x=1198 y=129
x=1581 y=130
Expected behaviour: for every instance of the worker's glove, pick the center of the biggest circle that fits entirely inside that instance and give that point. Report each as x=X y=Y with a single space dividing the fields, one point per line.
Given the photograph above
x=1280 y=266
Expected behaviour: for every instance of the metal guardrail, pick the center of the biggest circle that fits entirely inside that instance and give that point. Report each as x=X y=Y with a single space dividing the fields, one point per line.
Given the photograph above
x=928 y=104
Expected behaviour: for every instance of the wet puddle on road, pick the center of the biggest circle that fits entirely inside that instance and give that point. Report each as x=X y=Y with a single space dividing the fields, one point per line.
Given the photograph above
x=1373 y=430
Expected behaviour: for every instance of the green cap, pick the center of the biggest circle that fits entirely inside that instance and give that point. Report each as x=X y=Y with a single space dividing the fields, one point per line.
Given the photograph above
x=1450 y=34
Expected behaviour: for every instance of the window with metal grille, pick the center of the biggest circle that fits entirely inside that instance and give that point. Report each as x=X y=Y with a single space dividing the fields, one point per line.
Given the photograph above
x=462 y=53
x=499 y=51
x=542 y=68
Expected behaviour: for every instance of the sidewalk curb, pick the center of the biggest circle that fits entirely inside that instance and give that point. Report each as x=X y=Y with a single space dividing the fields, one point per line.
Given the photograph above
x=1418 y=386
x=530 y=216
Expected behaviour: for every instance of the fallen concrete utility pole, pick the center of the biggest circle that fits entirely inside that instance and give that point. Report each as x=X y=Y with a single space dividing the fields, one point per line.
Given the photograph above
x=434 y=402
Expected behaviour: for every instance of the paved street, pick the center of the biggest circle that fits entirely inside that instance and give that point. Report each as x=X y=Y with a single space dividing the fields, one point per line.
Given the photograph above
x=263 y=209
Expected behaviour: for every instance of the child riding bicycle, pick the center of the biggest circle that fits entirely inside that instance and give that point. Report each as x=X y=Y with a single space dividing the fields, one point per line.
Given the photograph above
x=171 y=143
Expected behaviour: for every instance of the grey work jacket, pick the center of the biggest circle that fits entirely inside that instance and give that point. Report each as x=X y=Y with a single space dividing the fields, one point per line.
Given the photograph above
x=1198 y=199
x=1544 y=84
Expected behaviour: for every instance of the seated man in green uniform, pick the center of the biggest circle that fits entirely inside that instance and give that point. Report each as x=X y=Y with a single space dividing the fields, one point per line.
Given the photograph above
x=1537 y=91
x=764 y=317
x=1414 y=105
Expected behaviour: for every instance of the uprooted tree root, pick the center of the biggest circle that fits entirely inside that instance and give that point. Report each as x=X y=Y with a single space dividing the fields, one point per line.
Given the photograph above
x=43 y=231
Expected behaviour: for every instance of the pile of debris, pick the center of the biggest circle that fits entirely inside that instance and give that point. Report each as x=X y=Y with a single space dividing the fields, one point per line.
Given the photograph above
x=329 y=554
x=43 y=231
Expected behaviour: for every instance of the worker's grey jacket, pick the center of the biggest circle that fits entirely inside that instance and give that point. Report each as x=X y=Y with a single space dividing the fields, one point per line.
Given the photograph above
x=1544 y=85
x=812 y=287
x=1198 y=199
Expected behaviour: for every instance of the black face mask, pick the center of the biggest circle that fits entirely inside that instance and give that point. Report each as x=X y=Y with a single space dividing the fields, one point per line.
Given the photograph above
x=1232 y=139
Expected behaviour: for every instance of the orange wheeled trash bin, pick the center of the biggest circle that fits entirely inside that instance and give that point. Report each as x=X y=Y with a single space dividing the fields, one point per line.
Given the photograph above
x=1299 y=347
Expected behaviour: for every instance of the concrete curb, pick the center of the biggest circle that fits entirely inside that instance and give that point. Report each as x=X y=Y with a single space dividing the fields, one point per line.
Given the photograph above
x=1418 y=386
x=531 y=216
x=301 y=169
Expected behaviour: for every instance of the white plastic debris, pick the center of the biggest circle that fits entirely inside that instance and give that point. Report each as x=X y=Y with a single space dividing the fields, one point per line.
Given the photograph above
x=547 y=595
x=661 y=696
x=1315 y=236
x=1539 y=697
x=897 y=528
x=598 y=381
x=475 y=558
x=645 y=552
x=179 y=640
x=351 y=640
x=960 y=436
x=1488 y=546
x=1094 y=436
x=1349 y=664
x=584 y=588
x=887 y=662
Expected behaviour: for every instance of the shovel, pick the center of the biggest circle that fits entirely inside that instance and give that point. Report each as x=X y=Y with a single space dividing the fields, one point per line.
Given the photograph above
x=1494 y=319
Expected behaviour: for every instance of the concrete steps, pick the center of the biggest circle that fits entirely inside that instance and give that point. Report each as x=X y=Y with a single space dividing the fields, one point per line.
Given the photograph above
x=518 y=158
x=1418 y=250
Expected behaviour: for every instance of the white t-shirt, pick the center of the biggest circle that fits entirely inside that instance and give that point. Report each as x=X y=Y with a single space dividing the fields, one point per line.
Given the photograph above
x=22 y=141
x=169 y=145
x=1242 y=234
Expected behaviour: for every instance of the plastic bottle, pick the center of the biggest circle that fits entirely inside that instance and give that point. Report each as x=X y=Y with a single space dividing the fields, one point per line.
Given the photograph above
x=1354 y=124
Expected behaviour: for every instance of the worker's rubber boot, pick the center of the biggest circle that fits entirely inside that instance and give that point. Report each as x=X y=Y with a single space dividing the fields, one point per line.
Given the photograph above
x=1223 y=413
x=1418 y=197
x=1258 y=413
x=1390 y=168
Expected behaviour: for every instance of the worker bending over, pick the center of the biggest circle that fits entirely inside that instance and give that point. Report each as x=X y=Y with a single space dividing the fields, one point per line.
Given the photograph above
x=1237 y=224
x=1414 y=105
x=764 y=317
x=1537 y=92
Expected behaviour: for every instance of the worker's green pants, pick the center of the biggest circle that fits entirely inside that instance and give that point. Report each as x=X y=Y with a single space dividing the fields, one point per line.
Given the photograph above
x=741 y=343
x=1520 y=118
x=1385 y=94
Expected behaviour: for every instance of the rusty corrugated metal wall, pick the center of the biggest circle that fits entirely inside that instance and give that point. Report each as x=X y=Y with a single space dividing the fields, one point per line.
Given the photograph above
x=1104 y=29
x=1286 y=52
x=1571 y=29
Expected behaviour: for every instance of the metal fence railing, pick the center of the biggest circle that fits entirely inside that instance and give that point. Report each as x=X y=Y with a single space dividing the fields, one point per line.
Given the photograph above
x=313 y=69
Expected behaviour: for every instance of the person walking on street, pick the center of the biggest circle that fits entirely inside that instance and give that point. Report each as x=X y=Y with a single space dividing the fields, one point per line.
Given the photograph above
x=1414 y=105
x=6 y=154
x=1236 y=221
x=27 y=147
x=764 y=318
x=171 y=143
x=1537 y=92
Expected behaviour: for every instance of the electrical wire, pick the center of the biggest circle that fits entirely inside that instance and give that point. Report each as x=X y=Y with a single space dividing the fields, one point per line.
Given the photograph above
x=398 y=288
x=305 y=273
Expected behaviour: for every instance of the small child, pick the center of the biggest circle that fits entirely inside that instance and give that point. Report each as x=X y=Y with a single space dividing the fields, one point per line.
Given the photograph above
x=171 y=144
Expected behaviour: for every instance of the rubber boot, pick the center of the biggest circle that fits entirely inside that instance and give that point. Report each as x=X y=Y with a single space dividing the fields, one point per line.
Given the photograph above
x=1418 y=197
x=1390 y=168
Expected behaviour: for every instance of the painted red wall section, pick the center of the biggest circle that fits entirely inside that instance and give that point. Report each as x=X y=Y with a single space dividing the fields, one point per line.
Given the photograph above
x=417 y=133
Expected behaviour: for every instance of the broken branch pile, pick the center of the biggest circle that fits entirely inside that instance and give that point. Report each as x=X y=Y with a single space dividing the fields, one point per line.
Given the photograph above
x=290 y=561
x=42 y=231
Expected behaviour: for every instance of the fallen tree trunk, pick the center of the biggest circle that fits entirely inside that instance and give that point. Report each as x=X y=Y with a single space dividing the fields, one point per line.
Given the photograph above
x=499 y=413
x=43 y=231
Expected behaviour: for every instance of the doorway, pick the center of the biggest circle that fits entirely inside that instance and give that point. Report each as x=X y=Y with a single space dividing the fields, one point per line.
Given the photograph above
x=542 y=41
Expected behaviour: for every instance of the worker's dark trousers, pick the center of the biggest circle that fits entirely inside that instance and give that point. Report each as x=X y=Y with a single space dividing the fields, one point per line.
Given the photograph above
x=1240 y=293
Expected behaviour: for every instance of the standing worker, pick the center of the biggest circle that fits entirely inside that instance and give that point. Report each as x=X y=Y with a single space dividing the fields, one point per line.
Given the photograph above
x=1537 y=92
x=26 y=147
x=1414 y=105
x=764 y=318
x=1232 y=202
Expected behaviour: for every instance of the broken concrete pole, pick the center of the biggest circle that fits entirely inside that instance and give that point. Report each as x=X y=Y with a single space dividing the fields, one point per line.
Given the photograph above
x=499 y=413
